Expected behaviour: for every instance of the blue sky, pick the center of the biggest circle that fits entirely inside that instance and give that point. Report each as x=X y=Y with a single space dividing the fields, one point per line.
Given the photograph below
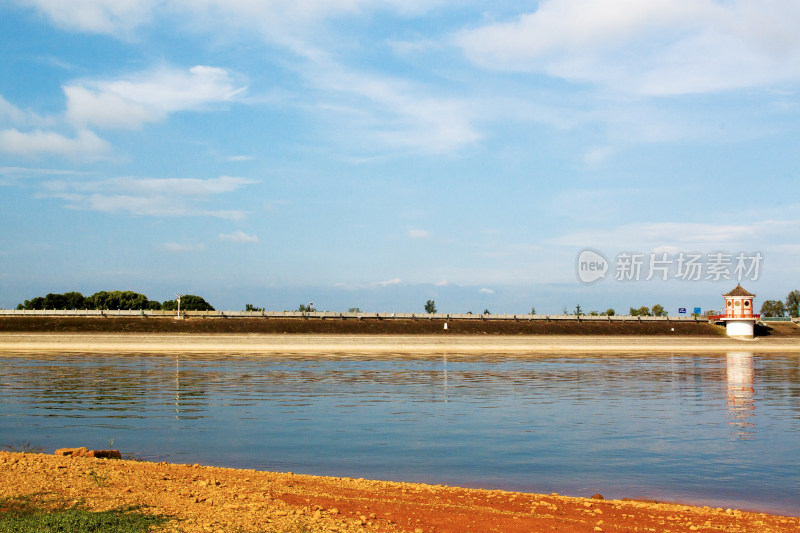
x=379 y=153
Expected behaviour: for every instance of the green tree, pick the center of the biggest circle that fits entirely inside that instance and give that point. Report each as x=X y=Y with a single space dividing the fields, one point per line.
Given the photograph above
x=33 y=304
x=609 y=312
x=354 y=310
x=578 y=310
x=69 y=300
x=642 y=311
x=533 y=310
x=793 y=304
x=658 y=310
x=113 y=300
x=189 y=302
x=251 y=307
x=55 y=301
x=75 y=300
x=486 y=312
x=430 y=306
x=773 y=308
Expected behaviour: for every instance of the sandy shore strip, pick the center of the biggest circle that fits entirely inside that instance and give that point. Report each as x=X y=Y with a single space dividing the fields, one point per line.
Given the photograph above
x=212 y=499
x=309 y=344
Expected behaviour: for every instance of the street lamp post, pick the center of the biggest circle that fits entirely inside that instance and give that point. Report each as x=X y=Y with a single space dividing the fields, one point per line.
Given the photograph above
x=179 y=303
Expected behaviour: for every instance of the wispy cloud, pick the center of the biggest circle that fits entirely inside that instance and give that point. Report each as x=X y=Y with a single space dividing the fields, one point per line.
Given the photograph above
x=115 y=16
x=238 y=236
x=388 y=112
x=23 y=172
x=10 y=113
x=393 y=281
x=418 y=233
x=486 y=291
x=179 y=248
x=100 y=16
x=700 y=45
x=685 y=236
x=176 y=197
x=85 y=145
x=395 y=112
x=145 y=97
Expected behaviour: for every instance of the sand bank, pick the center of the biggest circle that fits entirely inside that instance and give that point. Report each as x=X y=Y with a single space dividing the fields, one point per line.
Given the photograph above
x=378 y=344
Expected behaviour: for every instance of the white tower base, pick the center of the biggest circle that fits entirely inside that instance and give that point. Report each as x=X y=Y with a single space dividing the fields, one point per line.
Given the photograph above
x=740 y=327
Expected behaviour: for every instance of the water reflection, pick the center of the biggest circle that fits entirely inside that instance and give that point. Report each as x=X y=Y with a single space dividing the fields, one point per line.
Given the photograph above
x=741 y=393
x=654 y=426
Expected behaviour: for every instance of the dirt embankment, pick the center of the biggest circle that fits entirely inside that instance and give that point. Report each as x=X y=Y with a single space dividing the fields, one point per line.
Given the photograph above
x=371 y=326
x=204 y=499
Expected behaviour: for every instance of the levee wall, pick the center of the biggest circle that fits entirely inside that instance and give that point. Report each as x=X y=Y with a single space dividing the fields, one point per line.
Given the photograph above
x=330 y=315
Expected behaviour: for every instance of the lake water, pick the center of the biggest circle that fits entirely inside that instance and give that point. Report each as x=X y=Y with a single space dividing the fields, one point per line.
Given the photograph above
x=710 y=429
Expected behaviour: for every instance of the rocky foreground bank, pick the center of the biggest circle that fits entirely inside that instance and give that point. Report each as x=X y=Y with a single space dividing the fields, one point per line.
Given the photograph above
x=203 y=499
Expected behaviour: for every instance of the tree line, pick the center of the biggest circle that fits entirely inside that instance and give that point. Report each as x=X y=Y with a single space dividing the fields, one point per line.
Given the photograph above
x=112 y=301
x=778 y=308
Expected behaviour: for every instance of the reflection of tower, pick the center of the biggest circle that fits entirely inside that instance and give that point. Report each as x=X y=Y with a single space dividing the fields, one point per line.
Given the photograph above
x=178 y=387
x=741 y=403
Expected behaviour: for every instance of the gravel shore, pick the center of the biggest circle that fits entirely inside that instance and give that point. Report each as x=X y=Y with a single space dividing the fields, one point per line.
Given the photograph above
x=210 y=499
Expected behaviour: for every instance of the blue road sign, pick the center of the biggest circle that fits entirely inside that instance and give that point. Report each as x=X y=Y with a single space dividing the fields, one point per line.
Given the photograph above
x=682 y=310
x=697 y=310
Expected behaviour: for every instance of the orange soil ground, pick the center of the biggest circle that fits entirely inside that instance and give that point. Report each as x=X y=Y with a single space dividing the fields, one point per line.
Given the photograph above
x=226 y=500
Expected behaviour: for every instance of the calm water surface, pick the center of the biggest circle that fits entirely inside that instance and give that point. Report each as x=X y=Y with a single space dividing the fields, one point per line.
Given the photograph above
x=720 y=430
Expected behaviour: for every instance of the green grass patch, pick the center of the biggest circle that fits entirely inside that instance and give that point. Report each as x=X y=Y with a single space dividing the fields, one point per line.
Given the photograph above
x=37 y=514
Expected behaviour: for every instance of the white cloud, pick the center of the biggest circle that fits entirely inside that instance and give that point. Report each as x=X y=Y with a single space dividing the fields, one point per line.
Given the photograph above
x=179 y=248
x=394 y=281
x=178 y=197
x=238 y=236
x=147 y=96
x=24 y=172
x=9 y=113
x=380 y=109
x=100 y=16
x=391 y=111
x=179 y=186
x=279 y=17
x=683 y=236
x=669 y=250
x=486 y=291
x=652 y=47
x=418 y=233
x=85 y=145
x=597 y=155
